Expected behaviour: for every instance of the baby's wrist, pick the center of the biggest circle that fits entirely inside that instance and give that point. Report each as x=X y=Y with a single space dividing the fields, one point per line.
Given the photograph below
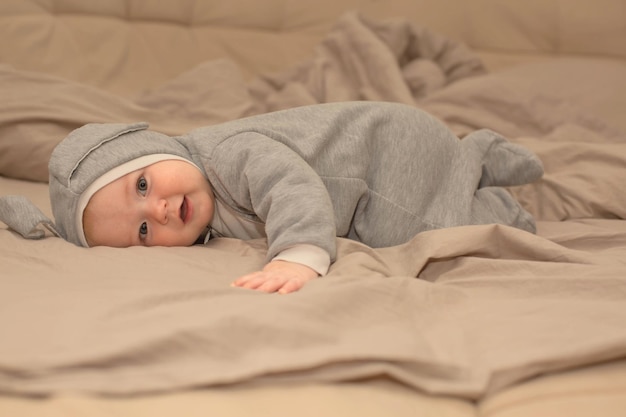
x=311 y=256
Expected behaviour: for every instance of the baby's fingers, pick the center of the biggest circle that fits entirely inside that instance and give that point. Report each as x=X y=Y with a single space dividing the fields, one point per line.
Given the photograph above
x=291 y=286
x=272 y=285
x=260 y=281
x=277 y=276
x=250 y=281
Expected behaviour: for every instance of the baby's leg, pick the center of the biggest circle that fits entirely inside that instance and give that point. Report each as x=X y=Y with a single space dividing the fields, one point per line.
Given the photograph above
x=504 y=163
x=496 y=205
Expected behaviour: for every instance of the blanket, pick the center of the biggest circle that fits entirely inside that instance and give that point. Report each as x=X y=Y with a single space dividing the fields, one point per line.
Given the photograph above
x=463 y=311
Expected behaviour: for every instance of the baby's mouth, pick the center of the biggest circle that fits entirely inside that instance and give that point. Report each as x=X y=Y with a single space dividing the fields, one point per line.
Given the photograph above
x=183 y=210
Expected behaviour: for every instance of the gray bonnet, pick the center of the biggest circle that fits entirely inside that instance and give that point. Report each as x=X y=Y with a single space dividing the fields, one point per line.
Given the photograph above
x=83 y=157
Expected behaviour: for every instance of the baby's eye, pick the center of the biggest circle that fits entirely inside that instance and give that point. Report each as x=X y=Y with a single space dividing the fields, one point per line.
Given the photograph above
x=142 y=185
x=143 y=231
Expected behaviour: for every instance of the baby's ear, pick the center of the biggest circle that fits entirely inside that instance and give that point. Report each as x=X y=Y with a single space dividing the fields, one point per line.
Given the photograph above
x=21 y=215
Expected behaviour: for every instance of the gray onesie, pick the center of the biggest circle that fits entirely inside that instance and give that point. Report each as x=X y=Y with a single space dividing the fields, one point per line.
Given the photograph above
x=375 y=172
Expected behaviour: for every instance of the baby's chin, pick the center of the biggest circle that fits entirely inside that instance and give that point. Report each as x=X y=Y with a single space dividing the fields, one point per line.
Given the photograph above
x=186 y=241
x=178 y=243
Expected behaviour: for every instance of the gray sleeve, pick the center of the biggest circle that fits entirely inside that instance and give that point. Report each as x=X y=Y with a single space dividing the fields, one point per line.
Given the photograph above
x=264 y=176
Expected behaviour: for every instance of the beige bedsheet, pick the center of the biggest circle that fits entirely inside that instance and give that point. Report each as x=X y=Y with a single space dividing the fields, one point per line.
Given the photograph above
x=462 y=312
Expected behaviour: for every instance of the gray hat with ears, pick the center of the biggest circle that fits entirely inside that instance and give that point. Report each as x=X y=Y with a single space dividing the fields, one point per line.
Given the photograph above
x=86 y=160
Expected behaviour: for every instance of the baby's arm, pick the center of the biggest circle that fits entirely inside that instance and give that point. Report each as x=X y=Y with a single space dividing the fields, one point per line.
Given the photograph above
x=277 y=276
x=260 y=175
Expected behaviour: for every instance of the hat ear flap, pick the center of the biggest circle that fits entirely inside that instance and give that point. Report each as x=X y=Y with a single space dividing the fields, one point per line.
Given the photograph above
x=21 y=215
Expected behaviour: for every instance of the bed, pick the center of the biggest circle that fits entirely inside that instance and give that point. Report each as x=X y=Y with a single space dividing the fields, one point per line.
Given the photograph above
x=468 y=321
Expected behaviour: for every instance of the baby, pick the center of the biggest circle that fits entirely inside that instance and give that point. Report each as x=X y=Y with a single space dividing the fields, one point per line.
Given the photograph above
x=375 y=172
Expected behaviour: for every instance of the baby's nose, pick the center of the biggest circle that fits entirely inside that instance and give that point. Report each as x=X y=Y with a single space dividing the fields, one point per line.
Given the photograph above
x=159 y=210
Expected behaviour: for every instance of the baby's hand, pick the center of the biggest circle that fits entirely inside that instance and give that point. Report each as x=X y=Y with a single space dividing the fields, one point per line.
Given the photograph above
x=277 y=276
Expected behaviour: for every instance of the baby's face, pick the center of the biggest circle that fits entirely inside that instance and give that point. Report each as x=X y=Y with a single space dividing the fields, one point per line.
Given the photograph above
x=168 y=203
